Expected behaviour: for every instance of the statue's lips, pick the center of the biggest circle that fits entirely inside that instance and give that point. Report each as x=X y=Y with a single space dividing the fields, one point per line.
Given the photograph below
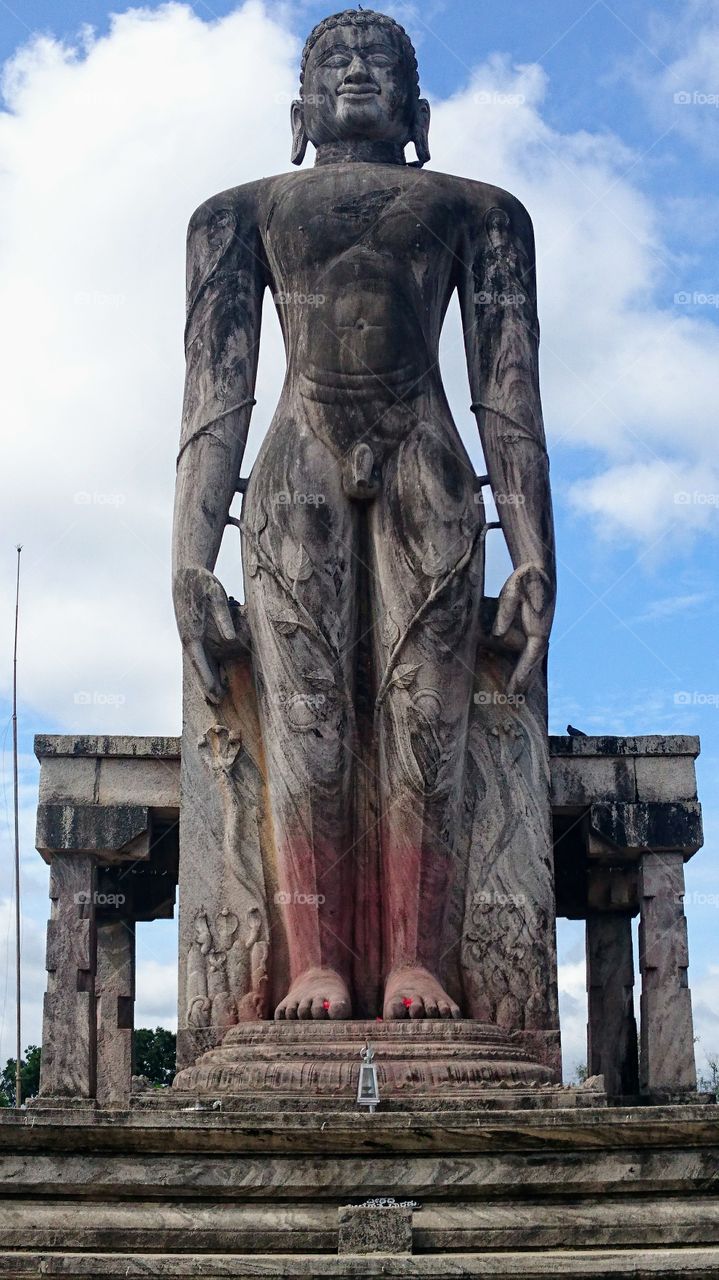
x=359 y=91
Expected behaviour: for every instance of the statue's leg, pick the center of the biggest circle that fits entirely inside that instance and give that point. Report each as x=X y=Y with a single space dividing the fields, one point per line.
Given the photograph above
x=426 y=547
x=300 y=587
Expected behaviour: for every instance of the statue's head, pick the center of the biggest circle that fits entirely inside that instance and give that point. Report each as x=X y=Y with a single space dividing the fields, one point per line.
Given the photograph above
x=359 y=82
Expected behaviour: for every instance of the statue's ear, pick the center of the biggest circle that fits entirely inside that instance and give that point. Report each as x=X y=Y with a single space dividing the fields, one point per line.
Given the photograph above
x=420 y=133
x=299 y=137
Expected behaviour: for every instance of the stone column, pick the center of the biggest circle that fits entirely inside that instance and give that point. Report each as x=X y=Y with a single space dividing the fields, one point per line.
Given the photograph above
x=667 y=1031
x=115 y=1010
x=612 y=1029
x=69 y=1029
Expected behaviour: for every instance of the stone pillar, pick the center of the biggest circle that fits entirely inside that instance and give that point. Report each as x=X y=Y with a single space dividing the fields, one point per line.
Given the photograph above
x=612 y=1029
x=69 y=1029
x=667 y=1031
x=115 y=1010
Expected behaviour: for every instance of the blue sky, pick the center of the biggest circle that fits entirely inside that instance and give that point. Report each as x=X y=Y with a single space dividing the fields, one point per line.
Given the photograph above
x=637 y=614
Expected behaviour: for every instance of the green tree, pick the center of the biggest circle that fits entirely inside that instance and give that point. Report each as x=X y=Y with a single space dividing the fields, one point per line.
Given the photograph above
x=29 y=1077
x=154 y=1054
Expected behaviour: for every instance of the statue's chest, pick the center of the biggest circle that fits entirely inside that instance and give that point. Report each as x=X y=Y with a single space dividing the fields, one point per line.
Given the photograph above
x=311 y=228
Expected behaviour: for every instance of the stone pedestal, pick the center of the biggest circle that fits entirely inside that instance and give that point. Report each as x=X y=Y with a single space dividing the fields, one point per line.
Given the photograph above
x=422 y=1059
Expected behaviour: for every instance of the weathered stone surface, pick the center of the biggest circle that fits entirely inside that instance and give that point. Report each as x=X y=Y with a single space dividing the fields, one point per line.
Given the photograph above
x=181 y=1189
x=667 y=1031
x=612 y=1033
x=646 y=826
x=115 y=989
x=669 y=1263
x=605 y=745
x=109 y=831
x=54 y=745
x=69 y=1014
x=374 y=1229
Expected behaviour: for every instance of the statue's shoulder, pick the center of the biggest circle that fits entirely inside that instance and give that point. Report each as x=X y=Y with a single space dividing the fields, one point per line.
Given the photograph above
x=246 y=200
x=477 y=198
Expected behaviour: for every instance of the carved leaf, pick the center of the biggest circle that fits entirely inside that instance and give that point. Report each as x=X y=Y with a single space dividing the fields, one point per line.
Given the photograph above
x=405 y=674
x=297 y=563
x=286 y=622
x=434 y=562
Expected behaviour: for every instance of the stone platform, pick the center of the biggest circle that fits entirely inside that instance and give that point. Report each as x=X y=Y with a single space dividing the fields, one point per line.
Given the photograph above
x=170 y=1189
x=425 y=1058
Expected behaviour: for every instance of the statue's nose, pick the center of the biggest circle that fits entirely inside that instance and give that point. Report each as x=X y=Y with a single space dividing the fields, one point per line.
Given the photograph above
x=358 y=72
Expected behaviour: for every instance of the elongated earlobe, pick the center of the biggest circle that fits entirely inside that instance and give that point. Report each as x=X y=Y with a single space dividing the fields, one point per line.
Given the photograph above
x=420 y=133
x=299 y=137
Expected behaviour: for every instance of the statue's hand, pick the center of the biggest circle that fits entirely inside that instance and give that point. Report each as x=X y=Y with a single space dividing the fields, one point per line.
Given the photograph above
x=527 y=597
x=205 y=624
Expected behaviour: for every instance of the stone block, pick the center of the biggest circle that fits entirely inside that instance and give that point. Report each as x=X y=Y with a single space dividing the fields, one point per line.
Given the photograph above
x=379 y=1228
x=145 y=781
x=578 y=781
x=665 y=778
x=649 y=826
x=64 y=779
x=109 y=831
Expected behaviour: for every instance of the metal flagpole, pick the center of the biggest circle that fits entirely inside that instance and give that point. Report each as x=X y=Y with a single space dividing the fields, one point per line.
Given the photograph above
x=18 y=1039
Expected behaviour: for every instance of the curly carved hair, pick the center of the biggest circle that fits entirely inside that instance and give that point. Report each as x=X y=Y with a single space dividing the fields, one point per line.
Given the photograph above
x=362 y=18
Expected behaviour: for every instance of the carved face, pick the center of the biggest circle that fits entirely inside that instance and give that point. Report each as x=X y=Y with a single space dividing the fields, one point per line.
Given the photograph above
x=357 y=85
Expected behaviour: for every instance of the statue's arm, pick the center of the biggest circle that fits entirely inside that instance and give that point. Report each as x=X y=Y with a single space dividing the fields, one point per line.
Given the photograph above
x=226 y=278
x=499 y=309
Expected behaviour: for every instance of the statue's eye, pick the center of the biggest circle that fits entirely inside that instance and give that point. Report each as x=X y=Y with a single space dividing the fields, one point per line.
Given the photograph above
x=337 y=60
x=381 y=60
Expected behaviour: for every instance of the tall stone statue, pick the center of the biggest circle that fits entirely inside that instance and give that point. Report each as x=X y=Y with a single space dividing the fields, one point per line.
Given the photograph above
x=365 y=825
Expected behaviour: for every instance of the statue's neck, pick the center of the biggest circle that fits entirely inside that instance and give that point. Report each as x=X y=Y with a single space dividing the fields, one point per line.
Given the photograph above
x=367 y=150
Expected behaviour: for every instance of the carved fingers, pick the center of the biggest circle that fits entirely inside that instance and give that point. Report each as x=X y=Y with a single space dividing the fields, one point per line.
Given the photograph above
x=527 y=598
x=206 y=626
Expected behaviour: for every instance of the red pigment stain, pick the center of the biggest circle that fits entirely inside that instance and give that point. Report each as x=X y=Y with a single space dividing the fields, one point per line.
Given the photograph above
x=325 y=1004
x=407 y=1002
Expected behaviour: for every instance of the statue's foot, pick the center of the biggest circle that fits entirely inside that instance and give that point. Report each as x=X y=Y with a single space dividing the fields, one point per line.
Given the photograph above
x=317 y=993
x=413 y=993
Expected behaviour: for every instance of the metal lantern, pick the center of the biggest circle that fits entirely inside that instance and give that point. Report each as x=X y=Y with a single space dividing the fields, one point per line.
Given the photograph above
x=368 y=1084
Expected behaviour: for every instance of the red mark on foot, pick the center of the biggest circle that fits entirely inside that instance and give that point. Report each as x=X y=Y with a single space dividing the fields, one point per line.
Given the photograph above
x=325 y=1004
x=407 y=1001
